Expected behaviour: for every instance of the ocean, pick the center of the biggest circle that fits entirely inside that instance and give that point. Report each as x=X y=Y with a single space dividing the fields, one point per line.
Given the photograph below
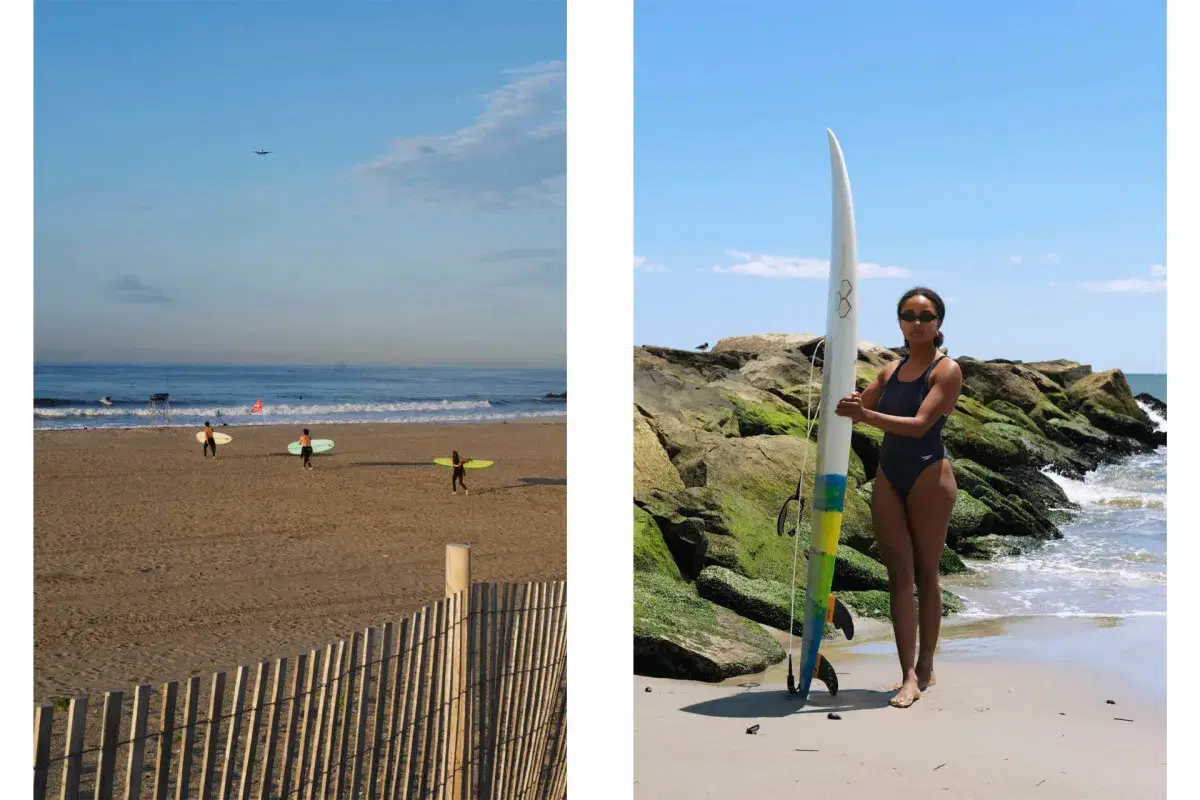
x=1112 y=559
x=71 y=396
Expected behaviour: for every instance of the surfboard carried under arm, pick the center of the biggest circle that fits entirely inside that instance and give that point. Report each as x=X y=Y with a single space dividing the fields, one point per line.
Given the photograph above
x=833 y=438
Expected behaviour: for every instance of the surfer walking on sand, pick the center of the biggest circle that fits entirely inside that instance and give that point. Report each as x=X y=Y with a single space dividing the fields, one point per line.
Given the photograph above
x=459 y=475
x=209 y=440
x=915 y=488
x=306 y=450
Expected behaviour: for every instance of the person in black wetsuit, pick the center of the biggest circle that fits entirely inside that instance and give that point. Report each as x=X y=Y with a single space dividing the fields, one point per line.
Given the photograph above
x=915 y=488
x=460 y=473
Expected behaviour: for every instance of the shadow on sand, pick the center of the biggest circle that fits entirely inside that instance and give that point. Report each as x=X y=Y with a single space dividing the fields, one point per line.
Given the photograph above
x=766 y=704
x=524 y=482
x=393 y=464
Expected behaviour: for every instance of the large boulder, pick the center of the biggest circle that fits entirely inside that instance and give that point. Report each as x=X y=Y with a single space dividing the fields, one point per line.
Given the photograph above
x=652 y=468
x=762 y=343
x=1107 y=401
x=678 y=634
x=678 y=404
x=682 y=527
x=1013 y=383
x=1061 y=371
x=1012 y=508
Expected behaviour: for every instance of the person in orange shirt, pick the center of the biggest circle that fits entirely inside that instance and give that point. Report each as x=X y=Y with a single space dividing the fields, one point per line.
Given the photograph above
x=306 y=449
x=209 y=440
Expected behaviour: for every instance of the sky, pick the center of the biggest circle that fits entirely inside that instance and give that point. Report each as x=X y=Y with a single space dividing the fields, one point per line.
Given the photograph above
x=411 y=211
x=1010 y=156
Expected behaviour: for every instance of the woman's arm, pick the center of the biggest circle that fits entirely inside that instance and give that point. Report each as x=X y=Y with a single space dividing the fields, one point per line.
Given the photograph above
x=945 y=386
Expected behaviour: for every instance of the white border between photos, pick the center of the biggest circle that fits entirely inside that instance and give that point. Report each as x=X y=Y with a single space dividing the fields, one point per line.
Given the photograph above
x=600 y=390
x=16 y=393
x=1183 y=254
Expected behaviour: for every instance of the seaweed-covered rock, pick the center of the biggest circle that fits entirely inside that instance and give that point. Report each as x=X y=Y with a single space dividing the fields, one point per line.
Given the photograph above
x=965 y=437
x=853 y=571
x=1014 y=383
x=1013 y=514
x=758 y=344
x=683 y=532
x=1014 y=415
x=678 y=634
x=650 y=552
x=985 y=548
x=764 y=601
x=774 y=418
x=876 y=604
x=1107 y=401
x=970 y=518
x=866 y=441
x=951 y=564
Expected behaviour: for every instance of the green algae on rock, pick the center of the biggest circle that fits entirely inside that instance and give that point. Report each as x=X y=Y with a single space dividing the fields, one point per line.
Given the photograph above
x=678 y=634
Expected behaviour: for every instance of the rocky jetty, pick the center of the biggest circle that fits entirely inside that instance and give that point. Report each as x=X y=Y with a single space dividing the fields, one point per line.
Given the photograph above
x=719 y=439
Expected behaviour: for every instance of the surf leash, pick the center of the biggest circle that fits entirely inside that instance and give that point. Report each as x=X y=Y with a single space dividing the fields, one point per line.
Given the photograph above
x=798 y=496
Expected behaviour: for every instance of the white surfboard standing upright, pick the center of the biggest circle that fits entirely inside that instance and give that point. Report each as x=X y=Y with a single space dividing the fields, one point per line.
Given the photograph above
x=840 y=352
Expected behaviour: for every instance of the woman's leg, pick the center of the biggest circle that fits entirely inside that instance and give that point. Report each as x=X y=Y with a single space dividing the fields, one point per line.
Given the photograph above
x=929 y=506
x=896 y=547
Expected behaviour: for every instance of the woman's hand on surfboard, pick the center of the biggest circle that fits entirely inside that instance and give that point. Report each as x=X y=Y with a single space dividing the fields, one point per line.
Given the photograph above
x=852 y=407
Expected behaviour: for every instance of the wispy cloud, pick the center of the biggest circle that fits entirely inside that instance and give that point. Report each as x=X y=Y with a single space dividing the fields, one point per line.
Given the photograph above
x=1157 y=283
x=514 y=155
x=1016 y=259
x=761 y=265
x=524 y=255
x=646 y=265
x=533 y=266
x=131 y=289
x=1051 y=258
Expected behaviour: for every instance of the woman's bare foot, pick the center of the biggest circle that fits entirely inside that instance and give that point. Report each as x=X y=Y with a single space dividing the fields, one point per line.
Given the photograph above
x=909 y=692
x=925 y=679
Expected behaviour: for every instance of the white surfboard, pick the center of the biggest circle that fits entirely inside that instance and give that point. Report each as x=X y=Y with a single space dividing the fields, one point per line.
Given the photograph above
x=218 y=437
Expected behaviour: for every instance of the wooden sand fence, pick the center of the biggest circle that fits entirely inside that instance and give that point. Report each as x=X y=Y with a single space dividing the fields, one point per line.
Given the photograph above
x=464 y=699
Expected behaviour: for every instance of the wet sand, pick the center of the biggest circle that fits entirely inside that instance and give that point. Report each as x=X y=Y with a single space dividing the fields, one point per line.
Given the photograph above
x=152 y=563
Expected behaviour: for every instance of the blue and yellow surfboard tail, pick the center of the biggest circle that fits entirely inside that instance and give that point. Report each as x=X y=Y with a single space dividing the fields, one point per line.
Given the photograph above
x=829 y=502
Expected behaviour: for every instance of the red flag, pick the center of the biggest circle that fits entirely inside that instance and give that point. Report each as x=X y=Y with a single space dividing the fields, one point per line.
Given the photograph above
x=257 y=407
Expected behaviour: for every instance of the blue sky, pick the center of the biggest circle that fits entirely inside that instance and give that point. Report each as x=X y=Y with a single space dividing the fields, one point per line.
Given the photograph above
x=1011 y=156
x=412 y=209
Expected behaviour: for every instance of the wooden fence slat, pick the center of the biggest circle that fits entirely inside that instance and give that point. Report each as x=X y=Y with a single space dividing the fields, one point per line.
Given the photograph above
x=539 y=623
x=459 y=753
x=547 y=691
x=472 y=689
x=501 y=599
x=346 y=697
x=381 y=706
x=531 y=625
x=364 y=694
x=445 y=714
x=73 y=768
x=43 y=726
x=216 y=705
x=110 y=734
x=266 y=776
x=313 y=758
x=414 y=697
x=508 y=687
x=305 y=721
x=137 y=742
x=427 y=726
x=415 y=752
x=251 y=750
x=395 y=723
x=335 y=683
x=191 y=708
x=165 y=740
x=235 y=727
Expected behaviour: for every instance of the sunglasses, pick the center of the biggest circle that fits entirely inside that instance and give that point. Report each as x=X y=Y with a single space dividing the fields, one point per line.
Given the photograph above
x=925 y=316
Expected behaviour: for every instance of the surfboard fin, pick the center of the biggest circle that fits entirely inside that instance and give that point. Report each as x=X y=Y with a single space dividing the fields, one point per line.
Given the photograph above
x=781 y=518
x=837 y=613
x=826 y=674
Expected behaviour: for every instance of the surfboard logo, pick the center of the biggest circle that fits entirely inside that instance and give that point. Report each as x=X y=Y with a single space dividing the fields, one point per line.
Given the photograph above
x=845 y=290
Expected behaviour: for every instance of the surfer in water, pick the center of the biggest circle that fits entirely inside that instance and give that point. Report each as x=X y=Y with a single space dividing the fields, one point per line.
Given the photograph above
x=305 y=450
x=459 y=474
x=915 y=488
x=209 y=439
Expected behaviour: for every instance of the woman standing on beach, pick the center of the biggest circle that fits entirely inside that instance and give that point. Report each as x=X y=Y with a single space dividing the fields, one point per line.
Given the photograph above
x=460 y=473
x=915 y=488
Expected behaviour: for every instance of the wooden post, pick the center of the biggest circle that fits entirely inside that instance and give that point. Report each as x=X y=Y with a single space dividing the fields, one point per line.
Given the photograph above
x=458 y=581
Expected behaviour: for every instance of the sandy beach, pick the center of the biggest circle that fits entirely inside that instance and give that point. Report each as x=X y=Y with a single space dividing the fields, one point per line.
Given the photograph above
x=993 y=727
x=152 y=563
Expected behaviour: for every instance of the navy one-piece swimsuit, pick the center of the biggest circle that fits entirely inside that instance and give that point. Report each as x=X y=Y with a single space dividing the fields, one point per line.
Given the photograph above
x=903 y=458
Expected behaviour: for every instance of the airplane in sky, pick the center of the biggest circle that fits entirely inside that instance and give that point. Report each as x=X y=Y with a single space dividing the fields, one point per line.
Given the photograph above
x=261 y=152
